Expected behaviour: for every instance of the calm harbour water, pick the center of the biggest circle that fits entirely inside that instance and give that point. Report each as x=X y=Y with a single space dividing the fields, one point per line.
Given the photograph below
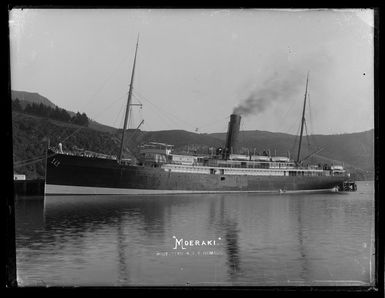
x=316 y=239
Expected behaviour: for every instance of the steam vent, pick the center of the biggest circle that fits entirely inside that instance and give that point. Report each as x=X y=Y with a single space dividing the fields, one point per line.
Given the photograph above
x=232 y=135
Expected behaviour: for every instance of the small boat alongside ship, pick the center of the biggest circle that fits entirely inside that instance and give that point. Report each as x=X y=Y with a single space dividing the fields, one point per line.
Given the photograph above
x=158 y=170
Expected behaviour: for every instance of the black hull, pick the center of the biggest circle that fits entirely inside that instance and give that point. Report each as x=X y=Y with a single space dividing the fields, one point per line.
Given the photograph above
x=67 y=174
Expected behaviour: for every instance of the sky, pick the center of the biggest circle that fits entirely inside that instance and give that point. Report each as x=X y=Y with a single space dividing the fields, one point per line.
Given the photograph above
x=197 y=66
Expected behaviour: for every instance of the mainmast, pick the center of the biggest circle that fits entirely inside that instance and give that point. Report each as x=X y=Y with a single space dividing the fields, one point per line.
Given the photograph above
x=128 y=103
x=303 y=120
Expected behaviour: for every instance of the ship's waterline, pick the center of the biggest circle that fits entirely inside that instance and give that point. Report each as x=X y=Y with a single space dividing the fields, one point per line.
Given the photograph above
x=51 y=189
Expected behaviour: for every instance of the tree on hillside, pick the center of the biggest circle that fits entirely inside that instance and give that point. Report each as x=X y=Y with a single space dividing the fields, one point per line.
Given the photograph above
x=54 y=113
x=45 y=111
x=85 y=119
x=65 y=116
x=42 y=110
x=16 y=106
x=28 y=109
x=80 y=119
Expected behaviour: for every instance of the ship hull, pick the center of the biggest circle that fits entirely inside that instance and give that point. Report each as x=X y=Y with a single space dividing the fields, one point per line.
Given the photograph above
x=52 y=189
x=67 y=174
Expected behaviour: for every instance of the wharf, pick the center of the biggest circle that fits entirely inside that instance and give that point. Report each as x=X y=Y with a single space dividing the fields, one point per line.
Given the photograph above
x=33 y=187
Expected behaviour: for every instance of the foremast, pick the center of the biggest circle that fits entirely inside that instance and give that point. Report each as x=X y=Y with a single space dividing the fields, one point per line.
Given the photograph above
x=128 y=104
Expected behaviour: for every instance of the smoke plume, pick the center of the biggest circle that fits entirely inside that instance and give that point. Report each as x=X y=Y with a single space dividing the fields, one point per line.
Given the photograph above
x=288 y=82
x=279 y=87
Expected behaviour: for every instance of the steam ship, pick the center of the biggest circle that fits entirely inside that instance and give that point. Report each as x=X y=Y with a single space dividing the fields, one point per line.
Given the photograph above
x=158 y=170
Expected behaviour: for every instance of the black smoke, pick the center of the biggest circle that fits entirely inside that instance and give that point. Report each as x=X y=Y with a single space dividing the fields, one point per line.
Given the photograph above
x=287 y=82
x=278 y=87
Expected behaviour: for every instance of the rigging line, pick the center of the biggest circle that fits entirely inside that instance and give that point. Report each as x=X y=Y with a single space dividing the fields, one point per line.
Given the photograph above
x=92 y=97
x=289 y=128
x=310 y=116
x=118 y=115
x=104 y=84
x=120 y=98
x=176 y=117
x=27 y=160
x=308 y=141
x=131 y=118
x=101 y=86
x=136 y=132
x=119 y=128
x=294 y=124
x=146 y=125
x=311 y=134
x=128 y=141
x=281 y=123
x=28 y=163
x=307 y=135
x=296 y=139
x=35 y=161
x=137 y=98
x=141 y=112
x=81 y=127
x=164 y=117
x=140 y=116
x=165 y=114
x=76 y=131
x=66 y=130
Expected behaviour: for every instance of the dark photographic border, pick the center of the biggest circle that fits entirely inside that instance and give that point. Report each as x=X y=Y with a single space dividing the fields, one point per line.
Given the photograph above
x=8 y=195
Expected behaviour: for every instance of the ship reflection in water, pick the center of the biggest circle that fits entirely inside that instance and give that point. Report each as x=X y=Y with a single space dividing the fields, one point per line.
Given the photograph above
x=321 y=239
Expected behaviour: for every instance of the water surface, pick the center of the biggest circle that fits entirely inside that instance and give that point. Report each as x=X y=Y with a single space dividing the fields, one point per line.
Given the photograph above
x=308 y=239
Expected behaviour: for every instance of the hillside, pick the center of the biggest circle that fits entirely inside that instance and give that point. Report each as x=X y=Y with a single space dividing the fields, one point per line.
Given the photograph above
x=31 y=132
x=30 y=135
x=26 y=98
x=355 y=149
x=31 y=97
x=181 y=138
